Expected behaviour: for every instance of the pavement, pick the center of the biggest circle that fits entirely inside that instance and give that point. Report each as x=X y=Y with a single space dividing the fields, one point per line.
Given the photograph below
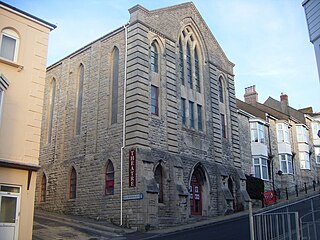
x=48 y=225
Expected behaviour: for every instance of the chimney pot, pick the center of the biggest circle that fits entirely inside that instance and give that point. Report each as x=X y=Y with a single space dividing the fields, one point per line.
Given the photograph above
x=250 y=95
x=283 y=97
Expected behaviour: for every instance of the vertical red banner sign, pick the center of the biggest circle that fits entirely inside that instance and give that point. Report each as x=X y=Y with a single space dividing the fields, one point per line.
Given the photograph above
x=132 y=168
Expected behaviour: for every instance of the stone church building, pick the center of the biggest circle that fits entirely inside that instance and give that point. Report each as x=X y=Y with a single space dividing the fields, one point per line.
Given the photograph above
x=140 y=126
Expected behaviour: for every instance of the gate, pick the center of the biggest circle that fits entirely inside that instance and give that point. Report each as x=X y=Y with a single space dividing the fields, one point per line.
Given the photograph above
x=283 y=222
x=269 y=226
x=310 y=226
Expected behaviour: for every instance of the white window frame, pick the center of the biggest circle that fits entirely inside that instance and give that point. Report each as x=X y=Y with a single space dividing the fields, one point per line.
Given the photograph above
x=257 y=132
x=317 y=154
x=286 y=159
x=283 y=132
x=262 y=164
x=13 y=35
x=315 y=129
x=302 y=134
x=304 y=160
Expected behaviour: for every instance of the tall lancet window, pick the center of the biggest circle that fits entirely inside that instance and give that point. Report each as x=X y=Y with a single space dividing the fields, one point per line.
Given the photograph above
x=196 y=70
x=51 y=108
x=154 y=57
x=220 y=85
x=190 y=73
x=79 y=98
x=189 y=66
x=115 y=82
x=181 y=64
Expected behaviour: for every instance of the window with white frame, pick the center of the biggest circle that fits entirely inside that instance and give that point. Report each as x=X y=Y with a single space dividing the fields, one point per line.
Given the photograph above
x=260 y=167
x=304 y=160
x=315 y=129
x=257 y=132
x=317 y=154
x=9 y=44
x=302 y=133
x=286 y=163
x=283 y=132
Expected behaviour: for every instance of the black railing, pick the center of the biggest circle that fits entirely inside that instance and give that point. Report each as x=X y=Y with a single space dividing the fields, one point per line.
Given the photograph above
x=304 y=188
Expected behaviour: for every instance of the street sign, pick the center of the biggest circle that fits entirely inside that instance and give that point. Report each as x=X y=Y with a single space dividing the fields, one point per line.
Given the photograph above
x=138 y=196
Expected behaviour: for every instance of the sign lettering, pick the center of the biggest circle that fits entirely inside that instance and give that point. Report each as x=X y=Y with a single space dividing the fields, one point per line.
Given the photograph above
x=132 y=168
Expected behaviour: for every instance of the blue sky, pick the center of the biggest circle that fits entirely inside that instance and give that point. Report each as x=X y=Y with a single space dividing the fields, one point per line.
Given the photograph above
x=266 y=39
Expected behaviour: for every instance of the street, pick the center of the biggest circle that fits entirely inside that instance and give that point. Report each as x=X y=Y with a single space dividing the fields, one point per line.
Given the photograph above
x=234 y=229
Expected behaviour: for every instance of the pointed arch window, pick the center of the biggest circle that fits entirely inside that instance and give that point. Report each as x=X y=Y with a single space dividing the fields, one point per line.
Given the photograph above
x=154 y=57
x=51 y=108
x=115 y=82
x=221 y=97
x=43 y=191
x=196 y=70
x=158 y=175
x=181 y=63
x=73 y=184
x=79 y=99
x=192 y=99
x=109 y=184
x=189 y=66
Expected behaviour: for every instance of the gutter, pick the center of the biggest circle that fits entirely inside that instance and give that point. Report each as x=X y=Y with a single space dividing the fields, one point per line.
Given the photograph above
x=124 y=119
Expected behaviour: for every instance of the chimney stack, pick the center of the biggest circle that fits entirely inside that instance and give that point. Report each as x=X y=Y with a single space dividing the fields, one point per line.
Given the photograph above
x=250 y=95
x=284 y=103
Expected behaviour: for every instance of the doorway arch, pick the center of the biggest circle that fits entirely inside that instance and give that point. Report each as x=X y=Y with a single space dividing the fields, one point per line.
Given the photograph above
x=199 y=191
x=231 y=188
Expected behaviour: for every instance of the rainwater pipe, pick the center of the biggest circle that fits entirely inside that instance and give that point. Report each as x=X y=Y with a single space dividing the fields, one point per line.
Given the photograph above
x=123 y=117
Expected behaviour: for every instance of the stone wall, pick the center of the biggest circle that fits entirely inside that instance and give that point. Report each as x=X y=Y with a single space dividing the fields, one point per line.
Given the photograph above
x=157 y=140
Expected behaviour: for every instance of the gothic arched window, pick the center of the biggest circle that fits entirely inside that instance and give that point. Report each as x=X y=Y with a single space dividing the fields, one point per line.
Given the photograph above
x=154 y=57
x=109 y=184
x=73 y=184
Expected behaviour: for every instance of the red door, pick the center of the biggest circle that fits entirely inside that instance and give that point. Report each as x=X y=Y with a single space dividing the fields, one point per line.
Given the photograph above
x=195 y=196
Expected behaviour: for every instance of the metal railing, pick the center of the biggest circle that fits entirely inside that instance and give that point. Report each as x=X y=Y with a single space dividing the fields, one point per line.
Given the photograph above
x=310 y=226
x=271 y=226
x=297 y=190
x=283 y=222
